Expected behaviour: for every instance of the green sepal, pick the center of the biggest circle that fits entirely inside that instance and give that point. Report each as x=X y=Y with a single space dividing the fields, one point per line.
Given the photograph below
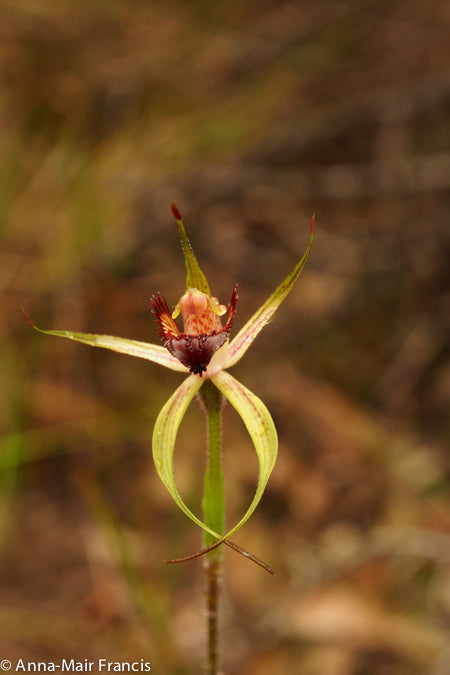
x=261 y=428
x=143 y=350
x=163 y=444
x=243 y=340
x=256 y=418
x=195 y=277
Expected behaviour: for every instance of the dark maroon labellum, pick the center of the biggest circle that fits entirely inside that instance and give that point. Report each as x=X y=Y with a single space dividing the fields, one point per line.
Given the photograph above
x=195 y=351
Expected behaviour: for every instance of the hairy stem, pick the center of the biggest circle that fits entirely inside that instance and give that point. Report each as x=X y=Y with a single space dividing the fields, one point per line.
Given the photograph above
x=213 y=504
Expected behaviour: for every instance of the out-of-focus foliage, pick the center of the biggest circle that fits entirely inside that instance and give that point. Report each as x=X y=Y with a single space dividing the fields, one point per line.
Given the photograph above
x=251 y=116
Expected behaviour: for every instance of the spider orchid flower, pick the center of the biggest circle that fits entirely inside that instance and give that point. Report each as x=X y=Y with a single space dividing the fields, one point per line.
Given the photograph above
x=203 y=351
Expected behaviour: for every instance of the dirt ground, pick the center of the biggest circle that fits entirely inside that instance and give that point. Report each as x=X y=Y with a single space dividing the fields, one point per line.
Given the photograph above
x=252 y=116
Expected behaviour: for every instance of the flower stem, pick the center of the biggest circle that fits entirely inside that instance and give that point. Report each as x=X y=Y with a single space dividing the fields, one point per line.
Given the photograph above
x=213 y=504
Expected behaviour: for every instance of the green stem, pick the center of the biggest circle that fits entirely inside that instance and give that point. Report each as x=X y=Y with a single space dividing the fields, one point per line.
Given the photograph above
x=213 y=504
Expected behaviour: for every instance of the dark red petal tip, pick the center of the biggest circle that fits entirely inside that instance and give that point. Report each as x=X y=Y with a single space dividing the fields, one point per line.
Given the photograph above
x=231 y=309
x=175 y=212
x=311 y=225
x=27 y=318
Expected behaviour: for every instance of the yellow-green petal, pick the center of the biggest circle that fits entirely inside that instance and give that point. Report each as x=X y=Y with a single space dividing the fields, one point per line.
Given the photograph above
x=164 y=437
x=256 y=418
x=261 y=428
x=195 y=277
x=143 y=350
x=239 y=345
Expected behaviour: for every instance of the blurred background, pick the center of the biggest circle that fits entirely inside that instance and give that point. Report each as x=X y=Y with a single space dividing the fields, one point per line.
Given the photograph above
x=252 y=116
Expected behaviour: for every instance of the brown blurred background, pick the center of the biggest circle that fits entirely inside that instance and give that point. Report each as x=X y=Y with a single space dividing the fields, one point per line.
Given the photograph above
x=252 y=116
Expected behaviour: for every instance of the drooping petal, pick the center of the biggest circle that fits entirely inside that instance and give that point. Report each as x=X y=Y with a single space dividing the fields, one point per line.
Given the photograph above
x=261 y=428
x=256 y=418
x=143 y=350
x=164 y=436
x=243 y=340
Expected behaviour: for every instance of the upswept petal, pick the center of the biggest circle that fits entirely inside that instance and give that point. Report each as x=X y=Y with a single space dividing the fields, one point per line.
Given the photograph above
x=243 y=340
x=164 y=436
x=261 y=428
x=143 y=350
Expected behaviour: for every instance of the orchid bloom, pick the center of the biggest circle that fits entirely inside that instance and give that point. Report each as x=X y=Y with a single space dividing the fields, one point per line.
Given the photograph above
x=203 y=351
